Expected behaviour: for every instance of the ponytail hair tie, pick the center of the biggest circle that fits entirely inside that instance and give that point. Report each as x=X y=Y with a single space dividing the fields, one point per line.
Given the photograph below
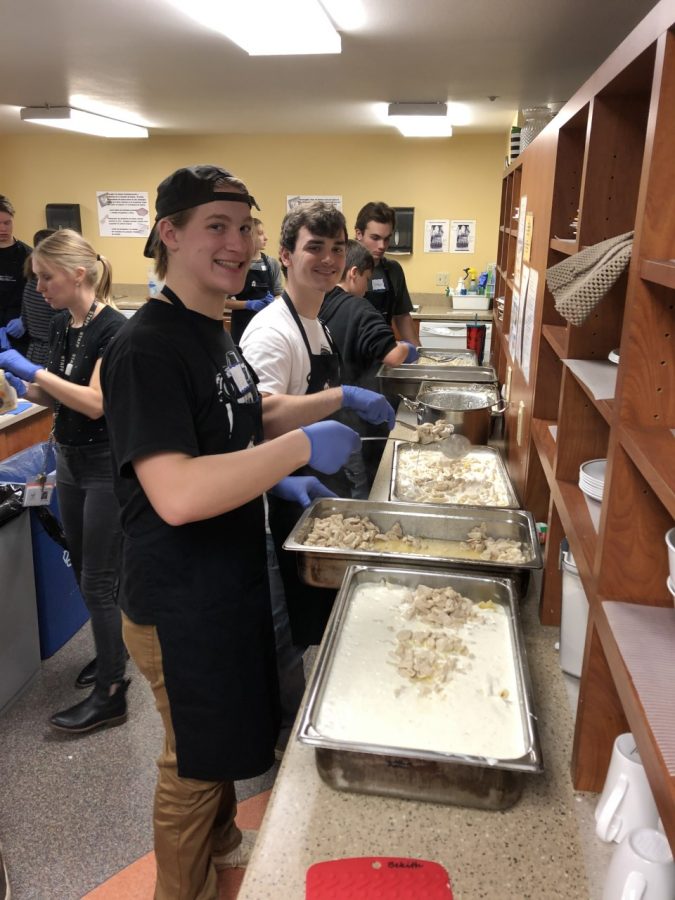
x=98 y=257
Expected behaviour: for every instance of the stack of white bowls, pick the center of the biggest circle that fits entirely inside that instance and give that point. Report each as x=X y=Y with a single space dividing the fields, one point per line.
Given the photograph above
x=592 y=477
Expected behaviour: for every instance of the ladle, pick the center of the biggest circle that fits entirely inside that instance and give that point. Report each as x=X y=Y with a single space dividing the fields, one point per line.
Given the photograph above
x=454 y=446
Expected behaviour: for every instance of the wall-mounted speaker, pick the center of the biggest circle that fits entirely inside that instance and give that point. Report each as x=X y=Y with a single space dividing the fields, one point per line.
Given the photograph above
x=63 y=215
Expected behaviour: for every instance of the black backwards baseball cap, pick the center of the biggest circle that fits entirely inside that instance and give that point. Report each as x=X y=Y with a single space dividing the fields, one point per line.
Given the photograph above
x=190 y=187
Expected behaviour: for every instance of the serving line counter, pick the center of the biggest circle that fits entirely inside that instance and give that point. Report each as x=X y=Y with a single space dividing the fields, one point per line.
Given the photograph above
x=533 y=849
x=23 y=429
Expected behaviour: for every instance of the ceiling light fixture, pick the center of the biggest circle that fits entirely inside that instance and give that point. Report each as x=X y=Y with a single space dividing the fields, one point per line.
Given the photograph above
x=268 y=27
x=420 y=119
x=68 y=118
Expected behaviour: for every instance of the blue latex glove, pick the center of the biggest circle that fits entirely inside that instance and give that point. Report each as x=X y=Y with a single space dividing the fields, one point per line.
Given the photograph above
x=15 y=328
x=332 y=443
x=301 y=489
x=18 y=384
x=257 y=305
x=371 y=407
x=4 y=340
x=413 y=353
x=12 y=361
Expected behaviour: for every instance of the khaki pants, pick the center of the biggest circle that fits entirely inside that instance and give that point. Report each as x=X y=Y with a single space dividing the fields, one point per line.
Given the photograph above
x=192 y=819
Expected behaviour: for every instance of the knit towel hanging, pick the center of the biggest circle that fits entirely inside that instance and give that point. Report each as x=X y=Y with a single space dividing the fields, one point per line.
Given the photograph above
x=579 y=282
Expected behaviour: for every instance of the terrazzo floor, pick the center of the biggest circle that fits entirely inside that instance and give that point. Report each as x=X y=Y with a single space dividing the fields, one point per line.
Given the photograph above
x=76 y=810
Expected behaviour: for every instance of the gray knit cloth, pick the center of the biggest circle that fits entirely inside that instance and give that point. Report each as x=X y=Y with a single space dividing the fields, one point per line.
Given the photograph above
x=579 y=282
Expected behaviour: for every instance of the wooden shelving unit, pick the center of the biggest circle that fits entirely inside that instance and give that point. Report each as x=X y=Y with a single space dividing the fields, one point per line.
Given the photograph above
x=606 y=165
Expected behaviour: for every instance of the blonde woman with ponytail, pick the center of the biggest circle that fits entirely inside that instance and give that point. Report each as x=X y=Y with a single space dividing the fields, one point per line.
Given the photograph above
x=75 y=281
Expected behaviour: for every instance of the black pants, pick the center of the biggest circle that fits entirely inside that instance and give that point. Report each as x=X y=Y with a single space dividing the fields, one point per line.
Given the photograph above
x=90 y=516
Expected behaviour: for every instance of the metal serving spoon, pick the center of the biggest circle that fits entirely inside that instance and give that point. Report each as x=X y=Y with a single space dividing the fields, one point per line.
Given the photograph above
x=454 y=446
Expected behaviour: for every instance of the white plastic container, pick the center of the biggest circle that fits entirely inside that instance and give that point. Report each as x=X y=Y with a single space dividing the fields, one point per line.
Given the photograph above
x=574 y=618
x=470 y=301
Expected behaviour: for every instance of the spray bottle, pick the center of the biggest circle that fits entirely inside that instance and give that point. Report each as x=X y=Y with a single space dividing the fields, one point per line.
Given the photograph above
x=472 y=274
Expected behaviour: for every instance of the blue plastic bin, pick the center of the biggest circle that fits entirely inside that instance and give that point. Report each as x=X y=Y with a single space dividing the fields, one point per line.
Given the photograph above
x=60 y=607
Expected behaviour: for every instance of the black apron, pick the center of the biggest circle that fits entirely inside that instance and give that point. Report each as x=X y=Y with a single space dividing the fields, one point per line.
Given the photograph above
x=218 y=649
x=257 y=285
x=308 y=607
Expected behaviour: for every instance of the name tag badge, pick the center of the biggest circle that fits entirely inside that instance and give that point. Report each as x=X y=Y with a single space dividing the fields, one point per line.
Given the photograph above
x=238 y=375
x=37 y=494
x=378 y=284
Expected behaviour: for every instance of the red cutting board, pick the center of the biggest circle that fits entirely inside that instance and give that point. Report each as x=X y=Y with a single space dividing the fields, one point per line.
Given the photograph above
x=377 y=878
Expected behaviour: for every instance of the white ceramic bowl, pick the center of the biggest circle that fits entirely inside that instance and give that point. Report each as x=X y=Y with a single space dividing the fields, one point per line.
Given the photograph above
x=671 y=588
x=670 y=543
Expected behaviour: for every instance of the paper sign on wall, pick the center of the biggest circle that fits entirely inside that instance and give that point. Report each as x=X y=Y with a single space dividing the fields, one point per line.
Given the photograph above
x=463 y=236
x=293 y=200
x=436 y=235
x=123 y=213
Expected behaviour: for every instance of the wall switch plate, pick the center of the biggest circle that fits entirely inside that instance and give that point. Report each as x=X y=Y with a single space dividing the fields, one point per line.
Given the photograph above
x=442 y=279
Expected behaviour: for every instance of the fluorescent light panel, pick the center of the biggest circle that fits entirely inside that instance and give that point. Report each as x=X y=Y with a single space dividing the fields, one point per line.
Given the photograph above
x=68 y=118
x=267 y=27
x=419 y=119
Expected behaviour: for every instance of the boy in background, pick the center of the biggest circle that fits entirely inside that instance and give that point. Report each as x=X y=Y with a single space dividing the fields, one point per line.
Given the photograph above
x=364 y=341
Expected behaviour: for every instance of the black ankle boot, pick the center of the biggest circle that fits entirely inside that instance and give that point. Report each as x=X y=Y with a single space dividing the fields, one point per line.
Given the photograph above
x=87 y=677
x=97 y=710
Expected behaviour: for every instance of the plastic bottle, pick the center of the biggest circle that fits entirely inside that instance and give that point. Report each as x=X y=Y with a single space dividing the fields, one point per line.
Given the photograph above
x=460 y=286
x=472 y=280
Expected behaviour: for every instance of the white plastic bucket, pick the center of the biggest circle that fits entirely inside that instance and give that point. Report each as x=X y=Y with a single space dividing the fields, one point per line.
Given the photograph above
x=574 y=618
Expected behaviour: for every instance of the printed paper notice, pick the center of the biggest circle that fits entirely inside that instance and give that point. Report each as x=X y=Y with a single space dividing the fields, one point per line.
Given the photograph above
x=463 y=236
x=123 y=213
x=528 y=321
x=529 y=222
x=436 y=235
x=520 y=241
x=293 y=200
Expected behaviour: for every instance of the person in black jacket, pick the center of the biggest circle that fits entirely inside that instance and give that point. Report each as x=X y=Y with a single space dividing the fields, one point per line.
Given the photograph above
x=13 y=254
x=364 y=341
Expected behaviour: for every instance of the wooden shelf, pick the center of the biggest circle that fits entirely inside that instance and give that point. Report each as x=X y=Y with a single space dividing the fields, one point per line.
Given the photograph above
x=644 y=682
x=660 y=271
x=546 y=446
x=556 y=335
x=605 y=406
x=579 y=528
x=568 y=247
x=652 y=451
x=607 y=157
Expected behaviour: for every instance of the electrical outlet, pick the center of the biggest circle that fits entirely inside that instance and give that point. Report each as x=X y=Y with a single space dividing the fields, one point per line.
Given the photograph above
x=442 y=279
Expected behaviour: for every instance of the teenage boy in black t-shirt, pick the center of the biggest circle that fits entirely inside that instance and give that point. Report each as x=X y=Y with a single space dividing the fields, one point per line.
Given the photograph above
x=387 y=289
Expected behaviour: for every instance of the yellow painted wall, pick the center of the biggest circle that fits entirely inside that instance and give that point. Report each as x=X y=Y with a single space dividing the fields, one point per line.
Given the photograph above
x=459 y=178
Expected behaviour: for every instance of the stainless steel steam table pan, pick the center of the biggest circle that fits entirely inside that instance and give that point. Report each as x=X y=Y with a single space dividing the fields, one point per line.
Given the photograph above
x=406 y=379
x=325 y=566
x=398 y=491
x=348 y=763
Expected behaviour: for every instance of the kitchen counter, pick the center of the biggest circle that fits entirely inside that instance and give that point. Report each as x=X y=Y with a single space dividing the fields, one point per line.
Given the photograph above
x=533 y=850
x=439 y=312
x=24 y=429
